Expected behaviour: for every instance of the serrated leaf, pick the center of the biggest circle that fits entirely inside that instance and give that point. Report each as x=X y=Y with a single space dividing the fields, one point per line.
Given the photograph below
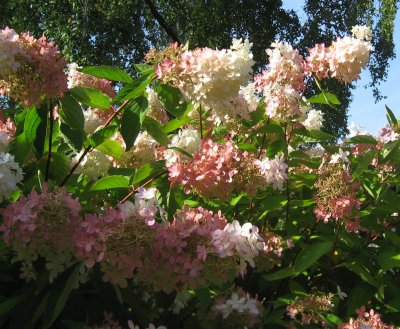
x=72 y=113
x=309 y=256
x=107 y=72
x=111 y=148
x=91 y=97
x=312 y=136
x=35 y=125
x=154 y=129
x=111 y=182
x=324 y=98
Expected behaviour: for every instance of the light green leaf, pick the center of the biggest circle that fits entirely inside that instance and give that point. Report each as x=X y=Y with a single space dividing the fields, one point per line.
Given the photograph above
x=111 y=182
x=148 y=171
x=154 y=129
x=91 y=97
x=112 y=148
x=309 y=256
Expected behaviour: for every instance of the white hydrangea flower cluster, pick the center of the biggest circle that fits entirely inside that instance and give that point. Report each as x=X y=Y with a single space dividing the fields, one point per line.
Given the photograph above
x=243 y=240
x=314 y=120
x=143 y=151
x=73 y=75
x=340 y=156
x=94 y=164
x=92 y=120
x=355 y=129
x=274 y=170
x=145 y=206
x=212 y=77
x=362 y=32
x=347 y=57
x=10 y=175
x=240 y=304
x=188 y=140
x=181 y=301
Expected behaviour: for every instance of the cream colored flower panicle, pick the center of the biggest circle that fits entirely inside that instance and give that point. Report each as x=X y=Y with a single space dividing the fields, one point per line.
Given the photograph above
x=10 y=175
x=187 y=140
x=362 y=32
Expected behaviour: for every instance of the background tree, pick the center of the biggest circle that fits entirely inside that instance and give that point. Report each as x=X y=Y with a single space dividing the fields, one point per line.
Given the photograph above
x=120 y=32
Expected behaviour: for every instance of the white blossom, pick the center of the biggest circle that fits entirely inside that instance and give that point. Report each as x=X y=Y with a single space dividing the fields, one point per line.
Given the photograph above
x=10 y=175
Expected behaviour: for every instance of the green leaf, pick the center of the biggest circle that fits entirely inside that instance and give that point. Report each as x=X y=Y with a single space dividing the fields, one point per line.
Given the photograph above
x=278 y=275
x=236 y=200
x=361 y=139
x=362 y=272
x=112 y=148
x=20 y=148
x=148 y=171
x=144 y=69
x=132 y=119
x=389 y=259
x=60 y=293
x=102 y=134
x=247 y=147
x=91 y=97
x=154 y=129
x=312 y=136
x=391 y=151
x=72 y=113
x=172 y=100
x=75 y=137
x=35 y=126
x=9 y=304
x=175 y=124
x=309 y=256
x=324 y=98
x=134 y=89
x=332 y=318
x=110 y=182
x=270 y=128
x=391 y=117
x=107 y=72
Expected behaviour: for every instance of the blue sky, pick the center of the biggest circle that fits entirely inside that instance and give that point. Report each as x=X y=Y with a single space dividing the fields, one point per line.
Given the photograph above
x=363 y=110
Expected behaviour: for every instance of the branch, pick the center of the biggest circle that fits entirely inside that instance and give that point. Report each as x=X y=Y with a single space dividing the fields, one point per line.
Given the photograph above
x=171 y=33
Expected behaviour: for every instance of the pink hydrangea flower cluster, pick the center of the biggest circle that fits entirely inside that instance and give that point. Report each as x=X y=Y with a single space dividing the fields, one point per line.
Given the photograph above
x=31 y=70
x=343 y=60
x=77 y=78
x=282 y=83
x=366 y=319
x=275 y=171
x=7 y=133
x=42 y=225
x=211 y=171
x=337 y=195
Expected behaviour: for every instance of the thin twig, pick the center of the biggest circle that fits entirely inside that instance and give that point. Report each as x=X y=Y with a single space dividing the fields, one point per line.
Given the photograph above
x=46 y=177
x=171 y=33
x=134 y=191
x=201 y=123
x=124 y=104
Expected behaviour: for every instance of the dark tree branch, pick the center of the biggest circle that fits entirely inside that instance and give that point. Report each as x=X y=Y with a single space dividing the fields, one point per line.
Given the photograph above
x=171 y=33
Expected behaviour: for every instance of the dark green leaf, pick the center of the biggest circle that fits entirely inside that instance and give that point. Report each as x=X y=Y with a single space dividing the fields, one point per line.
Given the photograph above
x=91 y=97
x=131 y=122
x=281 y=274
x=172 y=100
x=389 y=259
x=35 y=126
x=20 y=148
x=155 y=130
x=309 y=256
x=60 y=294
x=9 y=304
x=270 y=128
x=72 y=113
x=107 y=72
x=312 y=136
x=391 y=117
x=110 y=182
x=75 y=137
x=134 y=89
